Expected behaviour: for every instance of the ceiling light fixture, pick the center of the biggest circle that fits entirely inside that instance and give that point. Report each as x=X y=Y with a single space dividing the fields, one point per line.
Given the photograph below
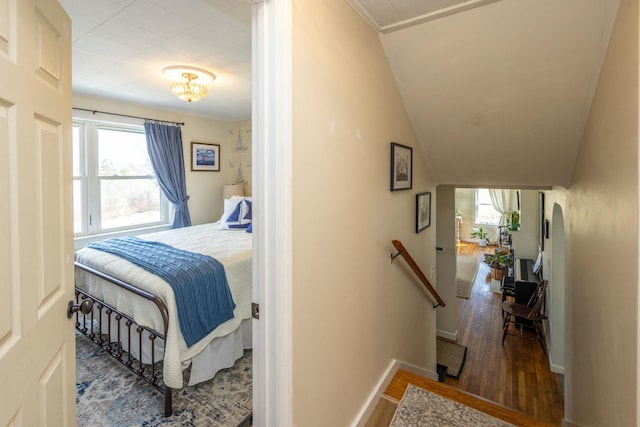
x=188 y=83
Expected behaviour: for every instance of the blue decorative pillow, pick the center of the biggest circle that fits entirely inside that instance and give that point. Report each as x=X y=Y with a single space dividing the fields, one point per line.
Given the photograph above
x=235 y=215
x=247 y=216
x=239 y=213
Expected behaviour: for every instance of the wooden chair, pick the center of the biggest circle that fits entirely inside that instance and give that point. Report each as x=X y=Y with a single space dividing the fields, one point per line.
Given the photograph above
x=532 y=312
x=508 y=288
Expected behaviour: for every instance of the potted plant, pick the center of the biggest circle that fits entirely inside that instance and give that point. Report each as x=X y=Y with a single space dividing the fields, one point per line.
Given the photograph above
x=513 y=220
x=499 y=263
x=481 y=235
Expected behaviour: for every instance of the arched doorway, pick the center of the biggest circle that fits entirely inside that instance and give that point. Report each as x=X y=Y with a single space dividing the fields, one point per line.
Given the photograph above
x=556 y=296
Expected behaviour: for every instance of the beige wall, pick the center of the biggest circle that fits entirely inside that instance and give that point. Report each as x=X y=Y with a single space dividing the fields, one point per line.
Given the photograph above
x=446 y=319
x=353 y=310
x=602 y=244
x=526 y=239
x=204 y=188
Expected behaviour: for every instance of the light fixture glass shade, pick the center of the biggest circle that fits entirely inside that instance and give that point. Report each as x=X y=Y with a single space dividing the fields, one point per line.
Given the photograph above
x=188 y=83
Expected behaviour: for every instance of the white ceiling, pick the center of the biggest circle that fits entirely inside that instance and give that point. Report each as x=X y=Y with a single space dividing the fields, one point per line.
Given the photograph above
x=497 y=91
x=498 y=95
x=391 y=15
x=120 y=47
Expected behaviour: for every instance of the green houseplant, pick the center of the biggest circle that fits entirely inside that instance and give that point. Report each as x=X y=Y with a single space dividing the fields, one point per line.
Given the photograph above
x=499 y=263
x=481 y=235
x=513 y=220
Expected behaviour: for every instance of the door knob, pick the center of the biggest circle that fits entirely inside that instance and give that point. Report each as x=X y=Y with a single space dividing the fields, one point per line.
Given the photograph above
x=84 y=307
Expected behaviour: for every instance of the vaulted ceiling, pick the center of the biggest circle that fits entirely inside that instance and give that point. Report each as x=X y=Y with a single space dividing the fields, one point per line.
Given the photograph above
x=498 y=91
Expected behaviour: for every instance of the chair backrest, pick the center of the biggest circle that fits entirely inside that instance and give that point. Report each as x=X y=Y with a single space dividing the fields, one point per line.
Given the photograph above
x=537 y=299
x=537 y=268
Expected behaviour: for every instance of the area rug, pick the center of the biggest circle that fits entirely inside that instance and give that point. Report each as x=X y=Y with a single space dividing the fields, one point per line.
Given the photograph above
x=466 y=271
x=451 y=355
x=107 y=394
x=422 y=408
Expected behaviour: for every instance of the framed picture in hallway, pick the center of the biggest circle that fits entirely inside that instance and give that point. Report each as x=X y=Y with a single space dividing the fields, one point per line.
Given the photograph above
x=423 y=211
x=541 y=224
x=401 y=167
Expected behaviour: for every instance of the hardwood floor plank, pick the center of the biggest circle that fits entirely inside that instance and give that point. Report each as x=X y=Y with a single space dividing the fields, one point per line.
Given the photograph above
x=383 y=413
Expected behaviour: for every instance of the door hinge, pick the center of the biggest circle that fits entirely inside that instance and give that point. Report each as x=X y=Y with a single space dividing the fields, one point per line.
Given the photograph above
x=255 y=310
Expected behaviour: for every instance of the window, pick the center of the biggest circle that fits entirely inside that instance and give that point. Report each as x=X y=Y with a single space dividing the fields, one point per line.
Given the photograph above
x=114 y=186
x=485 y=213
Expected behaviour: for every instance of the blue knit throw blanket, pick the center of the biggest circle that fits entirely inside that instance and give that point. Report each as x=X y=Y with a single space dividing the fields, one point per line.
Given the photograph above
x=199 y=282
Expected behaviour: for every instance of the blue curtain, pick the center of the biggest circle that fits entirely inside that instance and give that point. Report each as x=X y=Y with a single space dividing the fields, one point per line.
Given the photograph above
x=164 y=143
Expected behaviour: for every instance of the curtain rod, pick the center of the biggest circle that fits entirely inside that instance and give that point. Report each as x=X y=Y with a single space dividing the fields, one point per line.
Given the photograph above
x=126 y=115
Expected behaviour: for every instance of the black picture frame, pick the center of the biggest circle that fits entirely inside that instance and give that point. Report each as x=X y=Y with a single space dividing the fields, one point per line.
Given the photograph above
x=541 y=223
x=423 y=211
x=205 y=157
x=401 y=167
x=546 y=228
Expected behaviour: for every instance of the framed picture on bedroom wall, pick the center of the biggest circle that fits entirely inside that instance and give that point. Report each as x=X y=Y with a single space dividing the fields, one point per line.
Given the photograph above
x=401 y=167
x=423 y=211
x=205 y=157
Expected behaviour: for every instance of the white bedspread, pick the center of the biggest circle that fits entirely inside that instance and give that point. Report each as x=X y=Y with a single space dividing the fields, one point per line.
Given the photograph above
x=231 y=247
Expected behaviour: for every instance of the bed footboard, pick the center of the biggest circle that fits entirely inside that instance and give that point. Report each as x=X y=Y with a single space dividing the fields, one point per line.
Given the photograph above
x=104 y=326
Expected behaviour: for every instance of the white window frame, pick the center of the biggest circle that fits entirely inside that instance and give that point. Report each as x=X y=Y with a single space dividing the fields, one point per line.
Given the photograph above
x=90 y=179
x=475 y=207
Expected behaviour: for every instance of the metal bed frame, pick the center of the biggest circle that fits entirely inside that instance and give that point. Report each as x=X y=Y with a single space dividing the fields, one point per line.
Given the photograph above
x=93 y=328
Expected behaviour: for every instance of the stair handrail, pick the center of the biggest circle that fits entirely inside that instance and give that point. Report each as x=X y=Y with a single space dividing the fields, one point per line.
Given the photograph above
x=416 y=269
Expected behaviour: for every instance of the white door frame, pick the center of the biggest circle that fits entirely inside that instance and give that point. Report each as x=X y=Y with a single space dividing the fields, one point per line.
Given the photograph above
x=272 y=262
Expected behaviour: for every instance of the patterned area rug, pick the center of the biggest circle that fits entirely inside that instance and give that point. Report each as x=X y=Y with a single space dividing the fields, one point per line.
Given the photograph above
x=110 y=395
x=420 y=407
x=466 y=271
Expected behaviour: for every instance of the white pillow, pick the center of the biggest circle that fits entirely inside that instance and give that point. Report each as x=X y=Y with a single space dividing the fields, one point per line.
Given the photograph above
x=229 y=207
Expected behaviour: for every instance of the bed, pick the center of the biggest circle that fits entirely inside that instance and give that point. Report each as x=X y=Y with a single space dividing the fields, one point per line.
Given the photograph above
x=134 y=314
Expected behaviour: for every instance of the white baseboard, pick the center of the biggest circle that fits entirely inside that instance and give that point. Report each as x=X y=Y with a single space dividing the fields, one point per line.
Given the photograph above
x=370 y=404
x=567 y=423
x=557 y=369
x=451 y=336
x=372 y=401
x=427 y=373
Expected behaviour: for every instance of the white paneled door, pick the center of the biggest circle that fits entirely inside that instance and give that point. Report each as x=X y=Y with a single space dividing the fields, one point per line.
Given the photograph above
x=37 y=347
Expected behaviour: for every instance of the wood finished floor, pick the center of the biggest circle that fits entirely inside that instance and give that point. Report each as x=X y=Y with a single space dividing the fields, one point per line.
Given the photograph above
x=514 y=375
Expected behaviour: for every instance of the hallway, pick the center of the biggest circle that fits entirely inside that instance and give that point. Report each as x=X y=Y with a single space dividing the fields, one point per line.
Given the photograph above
x=517 y=374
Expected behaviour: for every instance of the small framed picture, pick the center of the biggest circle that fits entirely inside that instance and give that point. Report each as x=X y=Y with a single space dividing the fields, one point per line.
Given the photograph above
x=205 y=157
x=546 y=228
x=401 y=167
x=423 y=211
x=541 y=217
